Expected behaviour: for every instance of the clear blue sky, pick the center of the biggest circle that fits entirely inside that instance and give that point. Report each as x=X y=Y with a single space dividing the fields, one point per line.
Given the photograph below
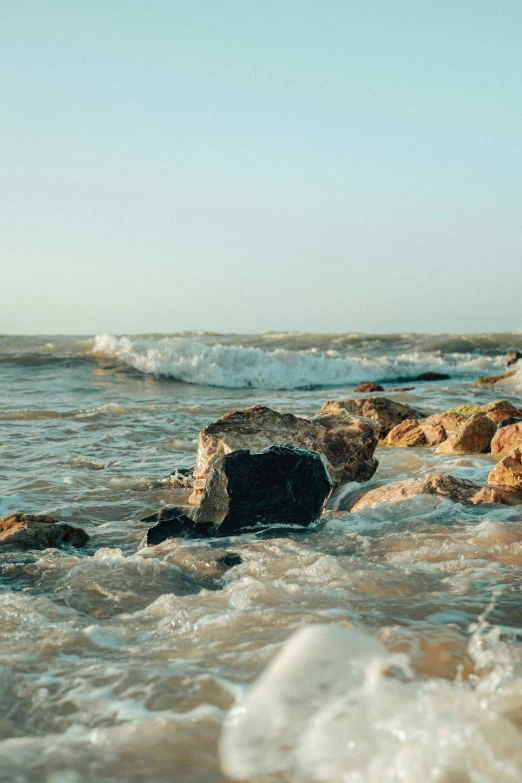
x=325 y=165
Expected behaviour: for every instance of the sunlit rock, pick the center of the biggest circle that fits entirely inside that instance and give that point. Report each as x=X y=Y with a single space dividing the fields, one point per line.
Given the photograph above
x=345 y=443
x=431 y=431
x=458 y=490
x=387 y=412
x=508 y=472
x=247 y=490
x=473 y=436
x=34 y=531
x=507 y=438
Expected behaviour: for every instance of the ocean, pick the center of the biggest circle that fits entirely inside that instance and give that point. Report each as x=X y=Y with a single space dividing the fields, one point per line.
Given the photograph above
x=121 y=663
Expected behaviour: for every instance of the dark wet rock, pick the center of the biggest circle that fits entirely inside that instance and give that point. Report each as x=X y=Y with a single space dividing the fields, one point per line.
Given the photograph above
x=432 y=376
x=387 y=412
x=508 y=436
x=512 y=357
x=180 y=526
x=473 y=436
x=166 y=514
x=38 y=531
x=231 y=559
x=455 y=489
x=368 y=387
x=508 y=472
x=182 y=477
x=248 y=490
x=345 y=443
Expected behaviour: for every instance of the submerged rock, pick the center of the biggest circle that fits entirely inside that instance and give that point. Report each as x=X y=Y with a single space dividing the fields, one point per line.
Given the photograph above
x=246 y=490
x=432 y=376
x=346 y=444
x=368 y=387
x=456 y=489
x=387 y=412
x=180 y=526
x=37 y=531
x=473 y=436
x=508 y=472
x=508 y=436
x=487 y=380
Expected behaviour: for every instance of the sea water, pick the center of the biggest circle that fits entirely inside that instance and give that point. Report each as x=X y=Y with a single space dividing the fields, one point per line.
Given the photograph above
x=380 y=646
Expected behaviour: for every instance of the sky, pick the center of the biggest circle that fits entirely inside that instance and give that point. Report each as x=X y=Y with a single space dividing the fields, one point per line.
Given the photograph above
x=313 y=165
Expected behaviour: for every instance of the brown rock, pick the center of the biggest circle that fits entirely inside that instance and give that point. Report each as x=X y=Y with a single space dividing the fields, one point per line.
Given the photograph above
x=408 y=433
x=368 y=387
x=387 y=412
x=456 y=489
x=508 y=472
x=489 y=408
x=472 y=437
x=345 y=443
x=35 y=531
x=491 y=379
x=507 y=438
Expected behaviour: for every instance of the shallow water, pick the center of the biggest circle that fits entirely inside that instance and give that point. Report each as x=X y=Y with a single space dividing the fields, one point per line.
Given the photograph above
x=119 y=664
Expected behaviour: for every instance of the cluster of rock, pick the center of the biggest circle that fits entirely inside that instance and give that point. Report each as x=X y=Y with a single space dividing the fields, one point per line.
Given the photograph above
x=257 y=468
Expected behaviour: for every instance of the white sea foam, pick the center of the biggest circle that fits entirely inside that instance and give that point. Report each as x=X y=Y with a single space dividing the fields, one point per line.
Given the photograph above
x=236 y=366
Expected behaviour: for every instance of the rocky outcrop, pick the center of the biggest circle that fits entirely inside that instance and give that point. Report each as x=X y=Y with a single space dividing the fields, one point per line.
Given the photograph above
x=473 y=436
x=508 y=472
x=507 y=437
x=37 y=531
x=249 y=490
x=387 y=412
x=431 y=431
x=345 y=443
x=368 y=387
x=456 y=489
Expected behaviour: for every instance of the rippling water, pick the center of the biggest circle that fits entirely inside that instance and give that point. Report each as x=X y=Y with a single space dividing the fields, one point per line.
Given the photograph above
x=122 y=665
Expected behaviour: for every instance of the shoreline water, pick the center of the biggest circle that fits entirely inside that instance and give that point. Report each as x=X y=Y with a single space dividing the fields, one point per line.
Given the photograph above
x=121 y=665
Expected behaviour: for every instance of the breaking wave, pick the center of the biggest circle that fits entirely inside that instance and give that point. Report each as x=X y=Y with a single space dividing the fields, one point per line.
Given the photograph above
x=238 y=366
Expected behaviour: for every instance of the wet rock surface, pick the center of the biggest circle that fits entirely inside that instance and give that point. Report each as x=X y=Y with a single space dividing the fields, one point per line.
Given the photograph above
x=180 y=526
x=346 y=443
x=458 y=490
x=34 y=531
x=512 y=357
x=432 y=376
x=368 y=387
x=508 y=436
x=508 y=472
x=247 y=490
x=473 y=436
x=387 y=412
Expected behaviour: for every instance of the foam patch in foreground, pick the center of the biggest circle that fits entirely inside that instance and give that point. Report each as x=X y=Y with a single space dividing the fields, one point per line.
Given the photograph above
x=325 y=712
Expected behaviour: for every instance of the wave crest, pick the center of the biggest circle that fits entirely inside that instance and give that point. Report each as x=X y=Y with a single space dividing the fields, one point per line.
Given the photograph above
x=237 y=366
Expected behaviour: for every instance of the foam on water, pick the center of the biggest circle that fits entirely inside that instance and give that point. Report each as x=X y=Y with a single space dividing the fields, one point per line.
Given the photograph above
x=236 y=366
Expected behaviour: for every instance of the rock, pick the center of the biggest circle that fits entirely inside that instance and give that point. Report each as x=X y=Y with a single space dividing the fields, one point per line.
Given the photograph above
x=496 y=410
x=406 y=434
x=431 y=431
x=400 y=388
x=37 y=531
x=182 y=477
x=456 y=489
x=246 y=490
x=491 y=379
x=165 y=514
x=507 y=437
x=368 y=387
x=432 y=376
x=231 y=559
x=508 y=472
x=387 y=412
x=472 y=437
x=512 y=358
x=180 y=526
x=345 y=443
